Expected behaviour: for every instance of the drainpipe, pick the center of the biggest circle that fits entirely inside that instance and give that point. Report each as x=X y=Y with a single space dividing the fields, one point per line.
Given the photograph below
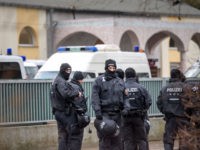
x=50 y=32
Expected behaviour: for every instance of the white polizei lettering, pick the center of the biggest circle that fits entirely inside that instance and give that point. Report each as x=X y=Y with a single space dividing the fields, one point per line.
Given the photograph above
x=132 y=89
x=174 y=89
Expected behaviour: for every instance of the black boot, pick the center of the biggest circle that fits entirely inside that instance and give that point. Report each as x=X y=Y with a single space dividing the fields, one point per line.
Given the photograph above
x=168 y=146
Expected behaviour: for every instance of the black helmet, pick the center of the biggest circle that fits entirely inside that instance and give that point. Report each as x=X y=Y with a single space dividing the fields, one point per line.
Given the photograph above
x=83 y=120
x=107 y=127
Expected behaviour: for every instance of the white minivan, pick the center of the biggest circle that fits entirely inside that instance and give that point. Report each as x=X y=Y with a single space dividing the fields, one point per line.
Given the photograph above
x=91 y=61
x=12 y=67
x=31 y=69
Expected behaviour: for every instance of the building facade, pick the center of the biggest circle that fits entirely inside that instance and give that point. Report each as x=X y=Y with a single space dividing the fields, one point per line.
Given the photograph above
x=169 y=35
x=24 y=30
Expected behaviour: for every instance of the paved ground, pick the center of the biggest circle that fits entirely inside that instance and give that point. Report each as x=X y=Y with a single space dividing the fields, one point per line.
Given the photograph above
x=154 y=145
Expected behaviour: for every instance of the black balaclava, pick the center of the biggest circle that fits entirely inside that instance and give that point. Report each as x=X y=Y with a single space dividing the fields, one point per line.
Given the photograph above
x=110 y=62
x=176 y=75
x=63 y=69
x=78 y=75
x=110 y=74
x=120 y=73
x=130 y=73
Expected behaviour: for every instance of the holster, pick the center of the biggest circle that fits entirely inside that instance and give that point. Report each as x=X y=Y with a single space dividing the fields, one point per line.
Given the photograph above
x=68 y=109
x=136 y=113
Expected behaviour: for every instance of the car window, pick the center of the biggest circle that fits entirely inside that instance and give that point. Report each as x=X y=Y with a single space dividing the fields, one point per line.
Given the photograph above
x=10 y=70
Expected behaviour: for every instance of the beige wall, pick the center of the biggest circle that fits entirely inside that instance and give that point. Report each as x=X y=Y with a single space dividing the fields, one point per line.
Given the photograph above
x=12 y=21
x=8 y=32
x=35 y=19
x=174 y=55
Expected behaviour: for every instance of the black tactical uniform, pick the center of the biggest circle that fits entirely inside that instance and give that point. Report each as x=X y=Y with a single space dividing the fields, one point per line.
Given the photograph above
x=79 y=104
x=62 y=94
x=170 y=104
x=107 y=101
x=136 y=104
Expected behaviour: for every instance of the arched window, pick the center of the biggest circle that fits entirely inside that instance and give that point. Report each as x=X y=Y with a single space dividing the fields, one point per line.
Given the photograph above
x=172 y=43
x=26 y=37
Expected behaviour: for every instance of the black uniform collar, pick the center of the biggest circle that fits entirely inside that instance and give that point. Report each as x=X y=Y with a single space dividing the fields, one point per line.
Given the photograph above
x=175 y=80
x=131 y=79
x=110 y=75
x=77 y=83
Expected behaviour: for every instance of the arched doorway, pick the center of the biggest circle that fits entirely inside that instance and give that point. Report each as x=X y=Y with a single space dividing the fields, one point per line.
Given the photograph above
x=80 y=38
x=193 y=53
x=128 y=41
x=164 y=55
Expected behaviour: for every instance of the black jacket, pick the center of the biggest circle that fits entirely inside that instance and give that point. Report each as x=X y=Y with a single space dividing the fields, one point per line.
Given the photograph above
x=138 y=97
x=62 y=93
x=170 y=99
x=107 y=93
x=79 y=103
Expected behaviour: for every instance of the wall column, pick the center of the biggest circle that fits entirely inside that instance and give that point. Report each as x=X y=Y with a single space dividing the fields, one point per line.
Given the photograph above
x=165 y=68
x=183 y=65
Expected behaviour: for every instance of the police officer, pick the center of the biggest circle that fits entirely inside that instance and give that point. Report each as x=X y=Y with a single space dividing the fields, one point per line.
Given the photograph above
x=120 y=73
x=79 y=103
x=107 y=102
x=136 y=104
x=146 y=121
x=62 y=94
x=170 y=104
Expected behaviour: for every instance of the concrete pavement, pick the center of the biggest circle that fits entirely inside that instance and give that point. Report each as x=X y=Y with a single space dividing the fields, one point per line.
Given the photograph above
x=153 y=145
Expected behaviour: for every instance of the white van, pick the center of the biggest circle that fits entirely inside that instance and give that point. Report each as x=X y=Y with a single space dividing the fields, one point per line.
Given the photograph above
x=38 y=62
x=31 y=69
x=194 y=70
x=12 y=67
x=91 y=61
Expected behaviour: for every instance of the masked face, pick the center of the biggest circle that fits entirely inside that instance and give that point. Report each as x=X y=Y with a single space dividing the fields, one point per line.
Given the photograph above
x=65 y=71
x=111 y=69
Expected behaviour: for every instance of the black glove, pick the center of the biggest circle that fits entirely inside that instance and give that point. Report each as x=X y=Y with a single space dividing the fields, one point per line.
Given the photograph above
x=99 y=117
x=80 y=111
x=124 y=112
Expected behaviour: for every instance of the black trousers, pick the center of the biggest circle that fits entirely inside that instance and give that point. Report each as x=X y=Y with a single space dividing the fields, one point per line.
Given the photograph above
x=70 y=136
x=147 y=128
x=134 y=133
x=110 y=143
x=173 y=126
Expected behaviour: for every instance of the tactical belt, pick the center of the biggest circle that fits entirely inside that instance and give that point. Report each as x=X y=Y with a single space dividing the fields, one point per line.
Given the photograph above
x=111 y=109
x=136 y=113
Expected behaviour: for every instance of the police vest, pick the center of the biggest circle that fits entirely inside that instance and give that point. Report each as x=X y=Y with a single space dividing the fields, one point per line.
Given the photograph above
x=134 y=99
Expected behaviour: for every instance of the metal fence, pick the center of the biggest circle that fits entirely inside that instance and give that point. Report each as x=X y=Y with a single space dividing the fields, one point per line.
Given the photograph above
x=28 y=100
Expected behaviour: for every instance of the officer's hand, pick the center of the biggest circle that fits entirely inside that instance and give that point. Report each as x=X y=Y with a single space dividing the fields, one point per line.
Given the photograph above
x=80 y=111
x=79 y=94
x=99 y=117
x=126 y=92
x=124 y=112
x=148 y=122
